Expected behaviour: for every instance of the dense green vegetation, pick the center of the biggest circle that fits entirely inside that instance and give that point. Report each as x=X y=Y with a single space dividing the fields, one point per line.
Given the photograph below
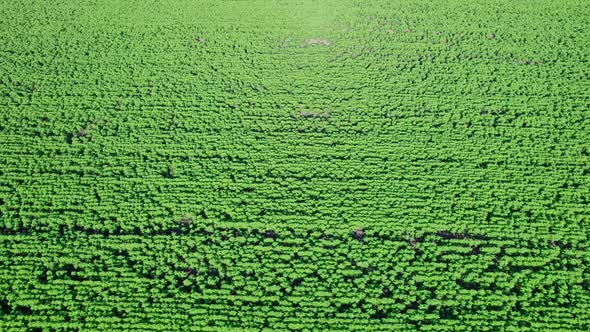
x=294 y=165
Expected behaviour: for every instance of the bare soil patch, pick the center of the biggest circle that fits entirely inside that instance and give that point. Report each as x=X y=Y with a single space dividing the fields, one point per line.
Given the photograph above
x=315 y=41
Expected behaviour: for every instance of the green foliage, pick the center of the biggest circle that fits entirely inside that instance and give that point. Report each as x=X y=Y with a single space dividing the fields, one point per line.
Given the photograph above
x=338 y=165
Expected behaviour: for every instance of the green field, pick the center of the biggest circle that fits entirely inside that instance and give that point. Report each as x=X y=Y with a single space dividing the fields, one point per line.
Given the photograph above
x=302 y=165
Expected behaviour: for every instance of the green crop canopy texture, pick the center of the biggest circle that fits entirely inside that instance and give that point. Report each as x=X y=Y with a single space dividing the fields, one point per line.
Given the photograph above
x=294 y=165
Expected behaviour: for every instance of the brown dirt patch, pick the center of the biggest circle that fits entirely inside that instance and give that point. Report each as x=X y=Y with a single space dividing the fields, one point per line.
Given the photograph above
x=315 y=41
